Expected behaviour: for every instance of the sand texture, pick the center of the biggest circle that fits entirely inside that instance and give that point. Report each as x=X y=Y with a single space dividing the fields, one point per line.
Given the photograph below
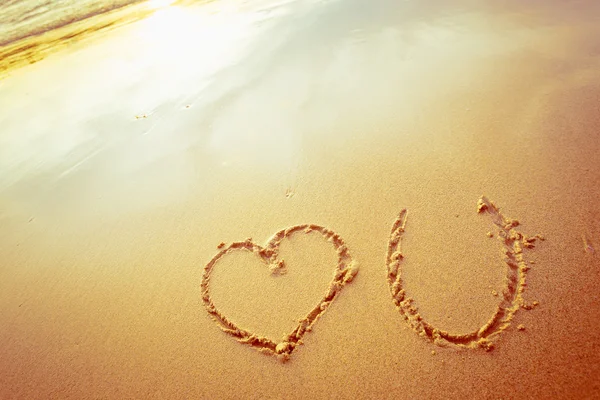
x=306 y=199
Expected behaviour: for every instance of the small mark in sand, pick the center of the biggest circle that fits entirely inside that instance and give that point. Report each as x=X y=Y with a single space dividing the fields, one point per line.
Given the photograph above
x=31 y=219
x=188 y=106
x=587 y=246
x=141 y=116
x=481 y=205
x=289 y=193
x=278 y=268
x=490 y=234
x=221 y=245
x=521 y=327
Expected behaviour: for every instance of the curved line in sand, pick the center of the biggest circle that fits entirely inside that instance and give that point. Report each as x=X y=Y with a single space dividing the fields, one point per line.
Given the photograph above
x=344 y=272
x=512 y=297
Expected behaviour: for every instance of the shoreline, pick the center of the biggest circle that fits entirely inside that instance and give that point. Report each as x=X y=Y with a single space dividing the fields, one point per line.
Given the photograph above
x=35 y=46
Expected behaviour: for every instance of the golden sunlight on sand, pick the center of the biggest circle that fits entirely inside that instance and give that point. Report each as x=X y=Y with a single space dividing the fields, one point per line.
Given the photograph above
x=283 y=200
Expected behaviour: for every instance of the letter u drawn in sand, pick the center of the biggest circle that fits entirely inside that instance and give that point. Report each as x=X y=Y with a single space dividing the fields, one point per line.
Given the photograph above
x=514 y=242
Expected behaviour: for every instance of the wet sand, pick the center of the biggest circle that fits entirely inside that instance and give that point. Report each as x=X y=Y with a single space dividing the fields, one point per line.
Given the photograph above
x=144 y=174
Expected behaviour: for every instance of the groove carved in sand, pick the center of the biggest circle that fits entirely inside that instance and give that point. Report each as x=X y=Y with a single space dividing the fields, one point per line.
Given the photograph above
x=344 y=272
x=513 y=241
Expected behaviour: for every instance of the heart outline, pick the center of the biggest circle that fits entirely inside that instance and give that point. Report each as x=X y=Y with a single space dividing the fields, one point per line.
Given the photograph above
x=344 y=272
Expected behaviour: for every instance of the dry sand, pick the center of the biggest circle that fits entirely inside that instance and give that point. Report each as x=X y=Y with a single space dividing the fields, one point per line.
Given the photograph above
x=128 y=164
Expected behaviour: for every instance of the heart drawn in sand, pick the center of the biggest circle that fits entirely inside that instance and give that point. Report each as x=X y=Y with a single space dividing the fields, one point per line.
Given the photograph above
x=344 y=272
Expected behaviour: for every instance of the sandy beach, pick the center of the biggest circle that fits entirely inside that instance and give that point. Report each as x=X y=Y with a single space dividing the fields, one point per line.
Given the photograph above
x=283 y=200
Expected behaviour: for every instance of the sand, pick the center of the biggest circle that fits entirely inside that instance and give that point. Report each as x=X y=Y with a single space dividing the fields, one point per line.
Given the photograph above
x=279 y=150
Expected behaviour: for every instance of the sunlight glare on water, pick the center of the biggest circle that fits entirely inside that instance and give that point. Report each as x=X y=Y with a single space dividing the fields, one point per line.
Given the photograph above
x=190 y=43
x=156 y=4
x=164 y=63
x=178 y=46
